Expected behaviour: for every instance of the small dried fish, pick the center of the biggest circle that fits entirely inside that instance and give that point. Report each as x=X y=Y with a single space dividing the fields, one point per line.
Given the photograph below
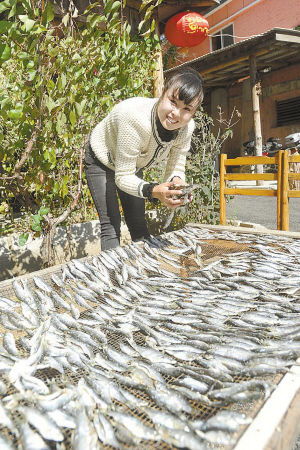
x=31 y=439
x=135 y=427
x=186 y=192
x=45 y=426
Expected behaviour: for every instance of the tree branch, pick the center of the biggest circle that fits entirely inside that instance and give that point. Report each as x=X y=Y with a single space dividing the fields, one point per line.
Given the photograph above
x=25 y=155
x=47 y=246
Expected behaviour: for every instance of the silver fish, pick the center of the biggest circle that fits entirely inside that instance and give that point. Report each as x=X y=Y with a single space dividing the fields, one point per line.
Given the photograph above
x=75 y=312
x=57 y=280
x=62 y=419
x=41 y=284
x=7 y=302
x=5 y=444
x=194 y=384
x=181 y=438
x=86 y=293
x=34 y=384
x=31 y=439
x=46 y=427
x=56 y=400
x=106 y=388
x=3 y=387
x=119 y=357
x=81 y=302
x=9 y=344
x=166 y=419
x=170 y=399
x=105 y=430
x=6 y=420
x=77 y=273
x=84 y=435
x=59 y=301
x=135 y=427
x=226 y=420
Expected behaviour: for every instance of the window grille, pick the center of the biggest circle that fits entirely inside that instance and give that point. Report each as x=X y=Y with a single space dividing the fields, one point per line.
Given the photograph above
x=288 y=111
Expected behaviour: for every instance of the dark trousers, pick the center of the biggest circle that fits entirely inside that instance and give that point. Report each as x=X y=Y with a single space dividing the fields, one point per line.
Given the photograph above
x=101 y=182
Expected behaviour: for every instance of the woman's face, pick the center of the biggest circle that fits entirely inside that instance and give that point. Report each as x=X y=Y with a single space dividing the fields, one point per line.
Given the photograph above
x=174 y=113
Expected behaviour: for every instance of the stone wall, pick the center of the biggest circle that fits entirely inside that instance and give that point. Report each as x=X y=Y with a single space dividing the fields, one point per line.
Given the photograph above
x=75 y=241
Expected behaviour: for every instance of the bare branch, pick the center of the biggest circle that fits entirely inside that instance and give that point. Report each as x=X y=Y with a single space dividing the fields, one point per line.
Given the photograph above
x=53 y=223
x=75 y=201
x=28 y=148
x=25 y=155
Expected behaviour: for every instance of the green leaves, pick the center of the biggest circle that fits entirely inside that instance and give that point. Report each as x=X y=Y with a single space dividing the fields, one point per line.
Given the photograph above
x=9 y=5
x=5 y=52
x=72 y=118
x=115 y=7
x=80 y=106
x=94 y=19
x=69 y=84
x=15 y=114
x=37 y=219
x=49 y=103
x=4 y=6
x=23 y=238
x=48 y=13
x=29 y=23
x=13 y=8
x=43 y=211
x=111 y=6
x=5 y=26
x=63 y=186
x=62 y=81
x=50 y=156
x=61 y=122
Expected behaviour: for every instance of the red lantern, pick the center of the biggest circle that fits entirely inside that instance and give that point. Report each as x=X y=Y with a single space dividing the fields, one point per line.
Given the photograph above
x=186 y=29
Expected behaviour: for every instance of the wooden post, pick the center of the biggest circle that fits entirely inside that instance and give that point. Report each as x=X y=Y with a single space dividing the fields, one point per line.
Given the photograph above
x=255 y=92
x=223 y=158
x=279 y=188
x=159 y=70
x=284 y=192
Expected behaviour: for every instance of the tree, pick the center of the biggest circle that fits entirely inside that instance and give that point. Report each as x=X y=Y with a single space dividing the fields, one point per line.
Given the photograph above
x=57 y=81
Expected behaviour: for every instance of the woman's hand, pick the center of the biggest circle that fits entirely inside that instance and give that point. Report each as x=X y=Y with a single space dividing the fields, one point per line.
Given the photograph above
x=164 y=193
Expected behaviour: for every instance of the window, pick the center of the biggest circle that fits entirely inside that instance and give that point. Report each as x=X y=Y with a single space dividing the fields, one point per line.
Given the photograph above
x=288 y=111
x=222 y=38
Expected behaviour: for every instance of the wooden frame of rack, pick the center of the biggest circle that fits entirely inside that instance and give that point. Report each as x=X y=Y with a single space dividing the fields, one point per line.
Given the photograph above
x=282 y=159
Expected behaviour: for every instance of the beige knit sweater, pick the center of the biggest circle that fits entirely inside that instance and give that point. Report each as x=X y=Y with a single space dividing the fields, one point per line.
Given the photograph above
x=127 y=140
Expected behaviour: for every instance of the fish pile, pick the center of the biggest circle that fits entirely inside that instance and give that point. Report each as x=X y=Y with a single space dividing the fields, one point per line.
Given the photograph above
x=121 y=350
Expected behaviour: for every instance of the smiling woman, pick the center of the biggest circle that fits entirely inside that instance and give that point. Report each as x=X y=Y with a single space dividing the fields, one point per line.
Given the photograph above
x=173 y=113
x=140 y=133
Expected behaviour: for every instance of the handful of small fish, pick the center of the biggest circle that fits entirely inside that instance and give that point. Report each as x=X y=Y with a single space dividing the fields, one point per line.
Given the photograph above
x=119 y=351
x=186 y=192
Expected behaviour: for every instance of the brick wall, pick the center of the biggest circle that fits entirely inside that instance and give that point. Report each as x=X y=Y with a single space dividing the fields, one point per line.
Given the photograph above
x=249 y=17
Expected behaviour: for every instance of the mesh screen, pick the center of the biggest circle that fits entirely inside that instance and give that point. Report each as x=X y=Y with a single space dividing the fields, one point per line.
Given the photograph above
x=212 y=250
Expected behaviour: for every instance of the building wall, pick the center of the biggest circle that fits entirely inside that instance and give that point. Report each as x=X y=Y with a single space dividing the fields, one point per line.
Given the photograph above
x=249 y=17
x=278 y=85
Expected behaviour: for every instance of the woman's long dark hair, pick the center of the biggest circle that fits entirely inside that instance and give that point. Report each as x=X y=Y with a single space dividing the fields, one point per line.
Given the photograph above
x=187 y=83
